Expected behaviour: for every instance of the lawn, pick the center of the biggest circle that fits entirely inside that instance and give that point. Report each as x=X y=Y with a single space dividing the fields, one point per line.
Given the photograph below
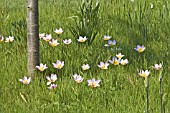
x=121 y=89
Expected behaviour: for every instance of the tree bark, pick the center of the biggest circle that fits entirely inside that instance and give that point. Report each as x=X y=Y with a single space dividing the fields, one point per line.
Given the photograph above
x=32 y=36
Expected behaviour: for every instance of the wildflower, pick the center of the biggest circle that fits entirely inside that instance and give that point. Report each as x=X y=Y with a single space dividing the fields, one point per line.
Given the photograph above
x=119 y=56
x=42 y=67
x=151 y=5
x=53 y=78
x=85 y=66
x=53 y=43
x=93 y=82
x=144 y=73
x=67 y=41
x=1 y=38
x=103 y=65
x=157 y=66
x=48 y=37
x=123 y=62
x=58 y=64
x=41 y=35
x=77 y=78
x=25 y=80
x=140 y=48
x=114 y=61
x=52 y=86
x=111 y=43
x=106 y=37
x=58 y=31
x=82 y=39
x=9 y=39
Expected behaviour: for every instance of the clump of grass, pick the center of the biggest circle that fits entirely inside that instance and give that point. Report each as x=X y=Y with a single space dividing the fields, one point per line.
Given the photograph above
x=86 y=20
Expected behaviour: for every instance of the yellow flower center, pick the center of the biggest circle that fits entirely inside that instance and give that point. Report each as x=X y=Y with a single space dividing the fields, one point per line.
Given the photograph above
x=41 y=68
x=106 y=38
x=58 y=32
x=82 y=40
x=104 y=67
x=119 y=56
x=53 y=44
x=123 y=63
x=1 y=39
x=58 y=66
x=78 y=81
x=85 y=68
x=10 y=40
x=140 y=50
x=116 y=62
x=93 y=84
x=25 y=82
x=143 y=75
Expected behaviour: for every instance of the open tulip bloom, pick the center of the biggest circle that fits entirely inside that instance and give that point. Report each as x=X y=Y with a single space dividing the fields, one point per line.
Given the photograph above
x=85 y=66
x=77 y=78
x=93 y=83
x=41 y=35
x=103 y=65
x=111 y=43
x=54 y=43
x=42 y=67
x=52 y=86
x=58 y=64
x=151 y=5
x=67 y=41
x=25 y=80
x=107 y=37
x=144 y=73
x=81 y=39
x=114 y=61
x=9 y=39
x=140 y=48
x=157 y=66
x=51 y=79
x=58 y=31
x=119 y=56
x=48 y=37
x=124 y=62
x=1 y=38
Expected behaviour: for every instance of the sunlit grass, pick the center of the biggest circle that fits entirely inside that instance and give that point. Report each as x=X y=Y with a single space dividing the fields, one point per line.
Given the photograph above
x=121 y=89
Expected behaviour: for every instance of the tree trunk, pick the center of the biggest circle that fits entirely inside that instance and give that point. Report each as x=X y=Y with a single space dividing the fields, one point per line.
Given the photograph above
x=32 y=36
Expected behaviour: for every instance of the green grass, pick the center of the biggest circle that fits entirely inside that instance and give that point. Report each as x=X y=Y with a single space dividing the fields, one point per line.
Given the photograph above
x=121 y=89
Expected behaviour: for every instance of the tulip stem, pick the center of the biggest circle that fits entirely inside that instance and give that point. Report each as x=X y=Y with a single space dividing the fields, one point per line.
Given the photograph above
x=160 y=93
x=140 y=59
x=147 y=99
x=147 y=95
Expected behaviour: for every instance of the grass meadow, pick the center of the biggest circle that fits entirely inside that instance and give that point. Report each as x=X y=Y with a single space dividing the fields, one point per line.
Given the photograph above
x=121 y=89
